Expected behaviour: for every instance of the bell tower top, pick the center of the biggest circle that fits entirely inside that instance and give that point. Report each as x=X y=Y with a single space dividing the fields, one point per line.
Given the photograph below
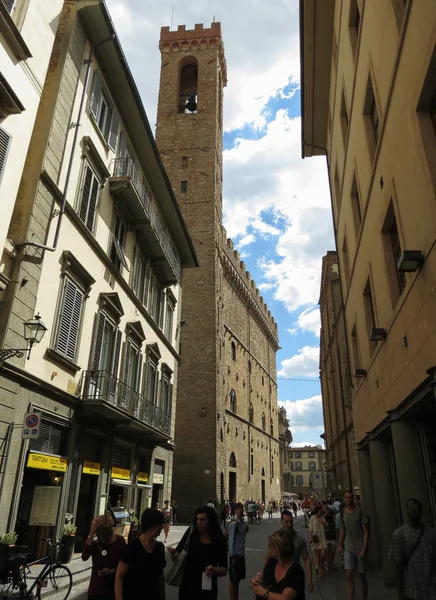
x=192 y=40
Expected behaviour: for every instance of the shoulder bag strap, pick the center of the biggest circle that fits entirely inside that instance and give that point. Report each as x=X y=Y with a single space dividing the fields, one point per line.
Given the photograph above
x=415 y=546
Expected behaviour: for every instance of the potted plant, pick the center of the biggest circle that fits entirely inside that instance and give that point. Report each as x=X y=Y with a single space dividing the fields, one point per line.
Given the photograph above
x=7 y=550
x=68 y=542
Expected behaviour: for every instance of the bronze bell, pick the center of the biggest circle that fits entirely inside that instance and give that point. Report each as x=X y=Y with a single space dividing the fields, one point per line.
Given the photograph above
x=191 y=104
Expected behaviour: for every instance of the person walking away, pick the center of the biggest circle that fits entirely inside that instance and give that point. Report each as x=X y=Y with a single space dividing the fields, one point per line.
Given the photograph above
x=168 y=517
x=355 y=531
x=175 y=508
x=206 y=558
x=251 y=511
x=236 y=533
x=295 y=509
x=317 y=539
x=337 y=505
x=330 y=535
x=105 y=548
x=142 y=562
x=300 y=546
x=270 y=510
x=282 y=578
x=413 y=550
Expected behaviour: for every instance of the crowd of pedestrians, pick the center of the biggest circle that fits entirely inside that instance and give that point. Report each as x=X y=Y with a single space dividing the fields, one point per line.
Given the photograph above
x=214 y=546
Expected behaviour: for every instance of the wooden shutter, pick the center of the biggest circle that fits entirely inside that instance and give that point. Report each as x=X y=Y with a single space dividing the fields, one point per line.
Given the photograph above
x=97 y=84
x=170 y=400
x=122 y=148
x=121 y=456
x=50 y=440
x=161 y=309
x=5 y=140
x=98 y=340
x=69 y=319
x=9 y=4
x=138 y=373
x=113 y=130
x=116 y=353
x=144 y=380
x=93 y=195
x=86 y=191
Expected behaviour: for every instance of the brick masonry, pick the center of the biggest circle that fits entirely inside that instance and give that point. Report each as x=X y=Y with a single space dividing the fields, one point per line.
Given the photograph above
x=221 y=303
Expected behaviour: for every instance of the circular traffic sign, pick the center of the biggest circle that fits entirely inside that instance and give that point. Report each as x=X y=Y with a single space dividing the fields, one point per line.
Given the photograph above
x=32 y=420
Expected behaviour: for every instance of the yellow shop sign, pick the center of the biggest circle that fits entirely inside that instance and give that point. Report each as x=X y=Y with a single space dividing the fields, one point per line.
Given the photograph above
x=120 y=473
x=91 y=468
x=143 y=477
x=46 y=462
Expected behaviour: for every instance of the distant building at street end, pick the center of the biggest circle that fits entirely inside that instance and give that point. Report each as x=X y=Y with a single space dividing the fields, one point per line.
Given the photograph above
x=369 y=106
x=307 y=472
x=285 y=439
x=336 y=383
x=227 y=435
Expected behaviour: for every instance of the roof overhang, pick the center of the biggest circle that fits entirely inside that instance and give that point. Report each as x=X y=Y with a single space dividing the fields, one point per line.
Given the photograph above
x=316 y=36
x=97 y=22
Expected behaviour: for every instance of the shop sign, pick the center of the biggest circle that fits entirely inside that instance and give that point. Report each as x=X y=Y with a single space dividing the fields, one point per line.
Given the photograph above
x=91 y=468
x=31 y=426
x=143 y=477
x=118 y=473
x=158 y=478
x=46 y=462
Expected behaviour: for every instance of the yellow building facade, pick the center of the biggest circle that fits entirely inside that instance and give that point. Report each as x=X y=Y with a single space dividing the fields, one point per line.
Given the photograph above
x=369 y=89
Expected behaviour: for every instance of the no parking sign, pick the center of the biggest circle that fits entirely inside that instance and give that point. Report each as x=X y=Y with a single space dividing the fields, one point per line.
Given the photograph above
x=31 y=426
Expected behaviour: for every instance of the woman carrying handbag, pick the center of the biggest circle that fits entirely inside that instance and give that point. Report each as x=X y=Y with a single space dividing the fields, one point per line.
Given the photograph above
x=205 y=551
x=318 y=541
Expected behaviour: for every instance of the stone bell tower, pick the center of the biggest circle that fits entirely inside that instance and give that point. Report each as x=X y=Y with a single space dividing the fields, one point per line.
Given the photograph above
x=189 y=136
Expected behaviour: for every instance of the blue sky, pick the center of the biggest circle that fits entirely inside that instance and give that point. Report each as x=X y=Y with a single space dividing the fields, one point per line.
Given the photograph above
x=276 y=206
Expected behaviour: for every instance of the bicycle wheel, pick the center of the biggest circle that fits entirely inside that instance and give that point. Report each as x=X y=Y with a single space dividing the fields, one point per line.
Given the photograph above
x=57 y=584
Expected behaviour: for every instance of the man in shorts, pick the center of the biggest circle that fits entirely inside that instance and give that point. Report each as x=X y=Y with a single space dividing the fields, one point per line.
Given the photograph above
x=236 y=531
x=355 y=531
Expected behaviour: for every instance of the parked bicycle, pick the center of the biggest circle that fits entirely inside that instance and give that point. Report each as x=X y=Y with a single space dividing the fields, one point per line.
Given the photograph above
x=53 y=582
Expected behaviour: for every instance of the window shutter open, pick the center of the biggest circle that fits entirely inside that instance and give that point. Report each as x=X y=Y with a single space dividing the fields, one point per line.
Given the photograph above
x=113 y=130
x=5 y=140
x=98 y=340
x=138 y=373
x=116 y=354
x=92 y=204
x=86 y=191
x=170 y=400
x=97 y=85
x=127 y=359
x=69 y=320
x=9 y=4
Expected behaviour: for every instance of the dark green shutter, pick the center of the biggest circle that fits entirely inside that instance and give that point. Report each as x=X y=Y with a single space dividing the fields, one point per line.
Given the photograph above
x=98 y=341
x=69 y=319
x=113 y=130
x=5 y=140
x=97 y=85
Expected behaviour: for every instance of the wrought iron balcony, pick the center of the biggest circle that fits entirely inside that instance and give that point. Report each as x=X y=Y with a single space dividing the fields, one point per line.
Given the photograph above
x=100 y=387
x=128 y=182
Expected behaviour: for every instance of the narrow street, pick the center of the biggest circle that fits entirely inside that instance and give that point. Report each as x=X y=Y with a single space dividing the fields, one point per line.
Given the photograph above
x=331 y=587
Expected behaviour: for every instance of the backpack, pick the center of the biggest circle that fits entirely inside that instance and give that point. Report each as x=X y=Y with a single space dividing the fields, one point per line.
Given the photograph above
x=368 y=524
x=226 y=530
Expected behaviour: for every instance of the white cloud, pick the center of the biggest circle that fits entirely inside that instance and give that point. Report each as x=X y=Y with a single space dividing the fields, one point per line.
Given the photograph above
x=246 y=240
x=303 y=364
x=304 y=444
x=268 y=174
x=308 y=320
x=305 y=417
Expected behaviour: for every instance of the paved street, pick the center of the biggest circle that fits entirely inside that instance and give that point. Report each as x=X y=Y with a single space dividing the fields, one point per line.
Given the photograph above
x=331 y=587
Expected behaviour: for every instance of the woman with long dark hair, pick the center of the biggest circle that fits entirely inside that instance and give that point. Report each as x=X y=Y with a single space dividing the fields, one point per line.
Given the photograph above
x=140 y=571
x=206 y=557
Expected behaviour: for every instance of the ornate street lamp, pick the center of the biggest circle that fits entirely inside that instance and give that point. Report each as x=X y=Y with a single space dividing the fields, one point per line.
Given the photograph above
x=34 y=330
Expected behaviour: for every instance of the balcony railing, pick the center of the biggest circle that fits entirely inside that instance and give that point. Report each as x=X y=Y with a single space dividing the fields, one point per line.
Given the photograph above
x=101 y=386
x=125 y=167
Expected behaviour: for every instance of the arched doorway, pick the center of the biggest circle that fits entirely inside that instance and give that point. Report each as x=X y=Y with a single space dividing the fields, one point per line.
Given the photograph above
x=263 y=488
x=232 y=477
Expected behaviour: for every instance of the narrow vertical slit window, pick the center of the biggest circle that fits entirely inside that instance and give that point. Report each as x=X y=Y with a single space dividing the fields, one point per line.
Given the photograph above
x=372 y=117
x=184 y=186
x=368 y=303
x=392 y=251
x=355 y=348
x=184 y=162
x=345 y=265
x=355 y=207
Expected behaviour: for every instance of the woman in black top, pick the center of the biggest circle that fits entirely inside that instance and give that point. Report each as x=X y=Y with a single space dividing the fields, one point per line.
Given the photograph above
x=140 y=570
x=206 y=557
x=282 y=579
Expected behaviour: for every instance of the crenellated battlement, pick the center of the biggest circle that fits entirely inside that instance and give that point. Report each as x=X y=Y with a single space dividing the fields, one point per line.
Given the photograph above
x=235 y=259
x=193 y=40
